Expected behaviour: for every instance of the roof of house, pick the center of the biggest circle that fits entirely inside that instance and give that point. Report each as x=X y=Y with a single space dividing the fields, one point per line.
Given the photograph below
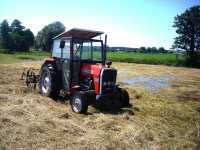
x=79 y=33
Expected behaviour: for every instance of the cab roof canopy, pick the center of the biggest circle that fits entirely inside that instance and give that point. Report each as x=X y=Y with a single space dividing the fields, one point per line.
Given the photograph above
x=79 y=33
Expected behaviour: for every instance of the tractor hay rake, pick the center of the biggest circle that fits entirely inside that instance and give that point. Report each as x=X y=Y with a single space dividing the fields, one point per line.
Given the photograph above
x=31 y=77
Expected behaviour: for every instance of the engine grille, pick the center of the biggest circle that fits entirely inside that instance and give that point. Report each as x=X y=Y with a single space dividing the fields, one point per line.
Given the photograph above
x=108 y=80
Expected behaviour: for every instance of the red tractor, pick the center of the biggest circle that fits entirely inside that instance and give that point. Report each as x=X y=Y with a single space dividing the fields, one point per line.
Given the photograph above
x=78 y=66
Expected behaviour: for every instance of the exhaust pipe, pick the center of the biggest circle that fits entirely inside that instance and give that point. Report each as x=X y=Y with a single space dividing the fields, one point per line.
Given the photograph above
x=105 y=48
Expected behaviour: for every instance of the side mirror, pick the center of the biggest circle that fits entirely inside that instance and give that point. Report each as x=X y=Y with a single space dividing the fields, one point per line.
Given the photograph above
x=109 y=63
x=62 y=44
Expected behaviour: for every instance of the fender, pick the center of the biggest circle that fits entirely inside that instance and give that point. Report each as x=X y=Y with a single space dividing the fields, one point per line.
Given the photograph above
x=49 y=60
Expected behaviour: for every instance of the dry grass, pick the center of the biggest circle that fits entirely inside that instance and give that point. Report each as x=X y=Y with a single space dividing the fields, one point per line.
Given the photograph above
x=166 y=119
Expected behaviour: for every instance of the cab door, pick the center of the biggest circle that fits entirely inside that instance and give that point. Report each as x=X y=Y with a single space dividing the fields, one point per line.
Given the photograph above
x=61 y=50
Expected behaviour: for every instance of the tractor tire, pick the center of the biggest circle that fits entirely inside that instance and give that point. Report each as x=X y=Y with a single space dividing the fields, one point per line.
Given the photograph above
x=79 y=103
x=48 y=83
x=124 y=98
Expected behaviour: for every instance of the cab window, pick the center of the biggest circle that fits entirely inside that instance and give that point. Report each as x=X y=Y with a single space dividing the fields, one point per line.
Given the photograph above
x=56 y=52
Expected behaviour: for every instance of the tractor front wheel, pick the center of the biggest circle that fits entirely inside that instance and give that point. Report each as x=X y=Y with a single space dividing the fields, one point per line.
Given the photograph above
x=124 y=98
x=79 y=103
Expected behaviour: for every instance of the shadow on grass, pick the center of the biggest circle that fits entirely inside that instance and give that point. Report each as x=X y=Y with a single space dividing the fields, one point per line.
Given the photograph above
x=110 y=107
x=113 y=108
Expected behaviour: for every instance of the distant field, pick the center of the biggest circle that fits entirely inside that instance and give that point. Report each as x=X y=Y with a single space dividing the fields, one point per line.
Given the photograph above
x=130 y=57
x=143 y=58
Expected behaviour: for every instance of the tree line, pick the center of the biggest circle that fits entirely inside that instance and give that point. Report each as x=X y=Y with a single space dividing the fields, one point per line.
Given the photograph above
x=16 y=37
x=140 y=50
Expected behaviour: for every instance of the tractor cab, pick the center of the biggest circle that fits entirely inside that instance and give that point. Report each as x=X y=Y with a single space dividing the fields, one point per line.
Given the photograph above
x=79 y=44
x=75 y=52
x=78 y=66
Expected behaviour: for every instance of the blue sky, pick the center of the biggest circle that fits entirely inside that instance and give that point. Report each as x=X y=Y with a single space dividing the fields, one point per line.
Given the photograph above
x=133 y=23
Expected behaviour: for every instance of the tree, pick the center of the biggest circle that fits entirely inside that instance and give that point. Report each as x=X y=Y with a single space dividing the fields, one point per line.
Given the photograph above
x=17 y=42
x=17 y=27
x=21 y=39
x=161 y=50
x=187 y=27
x=15 y=37
x=142 y=49
x=44 y=37
x=154 y=50
x=148 y=50
x=29 y=37
x=4 y=32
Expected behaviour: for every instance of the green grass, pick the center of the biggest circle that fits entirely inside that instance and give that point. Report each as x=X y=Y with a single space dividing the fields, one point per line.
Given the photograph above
x=6 y=58
x=33 y=53
x=146 y=58
x=130 y=57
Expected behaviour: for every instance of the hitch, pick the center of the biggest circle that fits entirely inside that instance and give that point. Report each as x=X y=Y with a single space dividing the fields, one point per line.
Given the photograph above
x=31 y=77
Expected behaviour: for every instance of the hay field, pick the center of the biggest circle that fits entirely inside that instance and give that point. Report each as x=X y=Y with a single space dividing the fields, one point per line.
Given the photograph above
x=165 y=118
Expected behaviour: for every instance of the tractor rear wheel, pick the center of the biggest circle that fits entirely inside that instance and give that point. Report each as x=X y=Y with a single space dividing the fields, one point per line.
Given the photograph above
x=124 y=98
x=79 y=103
x=48 y=84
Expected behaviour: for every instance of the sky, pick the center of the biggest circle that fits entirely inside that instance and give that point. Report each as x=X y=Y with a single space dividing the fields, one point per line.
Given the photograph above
x=130 y=23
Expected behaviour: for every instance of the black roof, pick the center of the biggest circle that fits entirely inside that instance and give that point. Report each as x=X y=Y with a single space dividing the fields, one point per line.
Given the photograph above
x=79 y=33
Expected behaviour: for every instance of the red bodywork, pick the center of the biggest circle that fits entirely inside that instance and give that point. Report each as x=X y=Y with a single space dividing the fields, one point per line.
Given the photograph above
x=93 y=71
x=87 y=70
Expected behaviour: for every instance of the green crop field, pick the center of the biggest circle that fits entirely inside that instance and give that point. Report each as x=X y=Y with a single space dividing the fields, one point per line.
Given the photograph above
x=147 y=58
x=130 y=57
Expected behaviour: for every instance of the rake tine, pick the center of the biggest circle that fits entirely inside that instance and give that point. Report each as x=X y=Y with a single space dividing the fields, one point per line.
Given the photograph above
x=31 y=77
x=23 y=74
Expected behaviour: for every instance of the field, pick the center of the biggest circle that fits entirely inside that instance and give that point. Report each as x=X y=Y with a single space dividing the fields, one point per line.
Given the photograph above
x=147 y=58
x=130 y=57
x=7 y=58
x=161 y=117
